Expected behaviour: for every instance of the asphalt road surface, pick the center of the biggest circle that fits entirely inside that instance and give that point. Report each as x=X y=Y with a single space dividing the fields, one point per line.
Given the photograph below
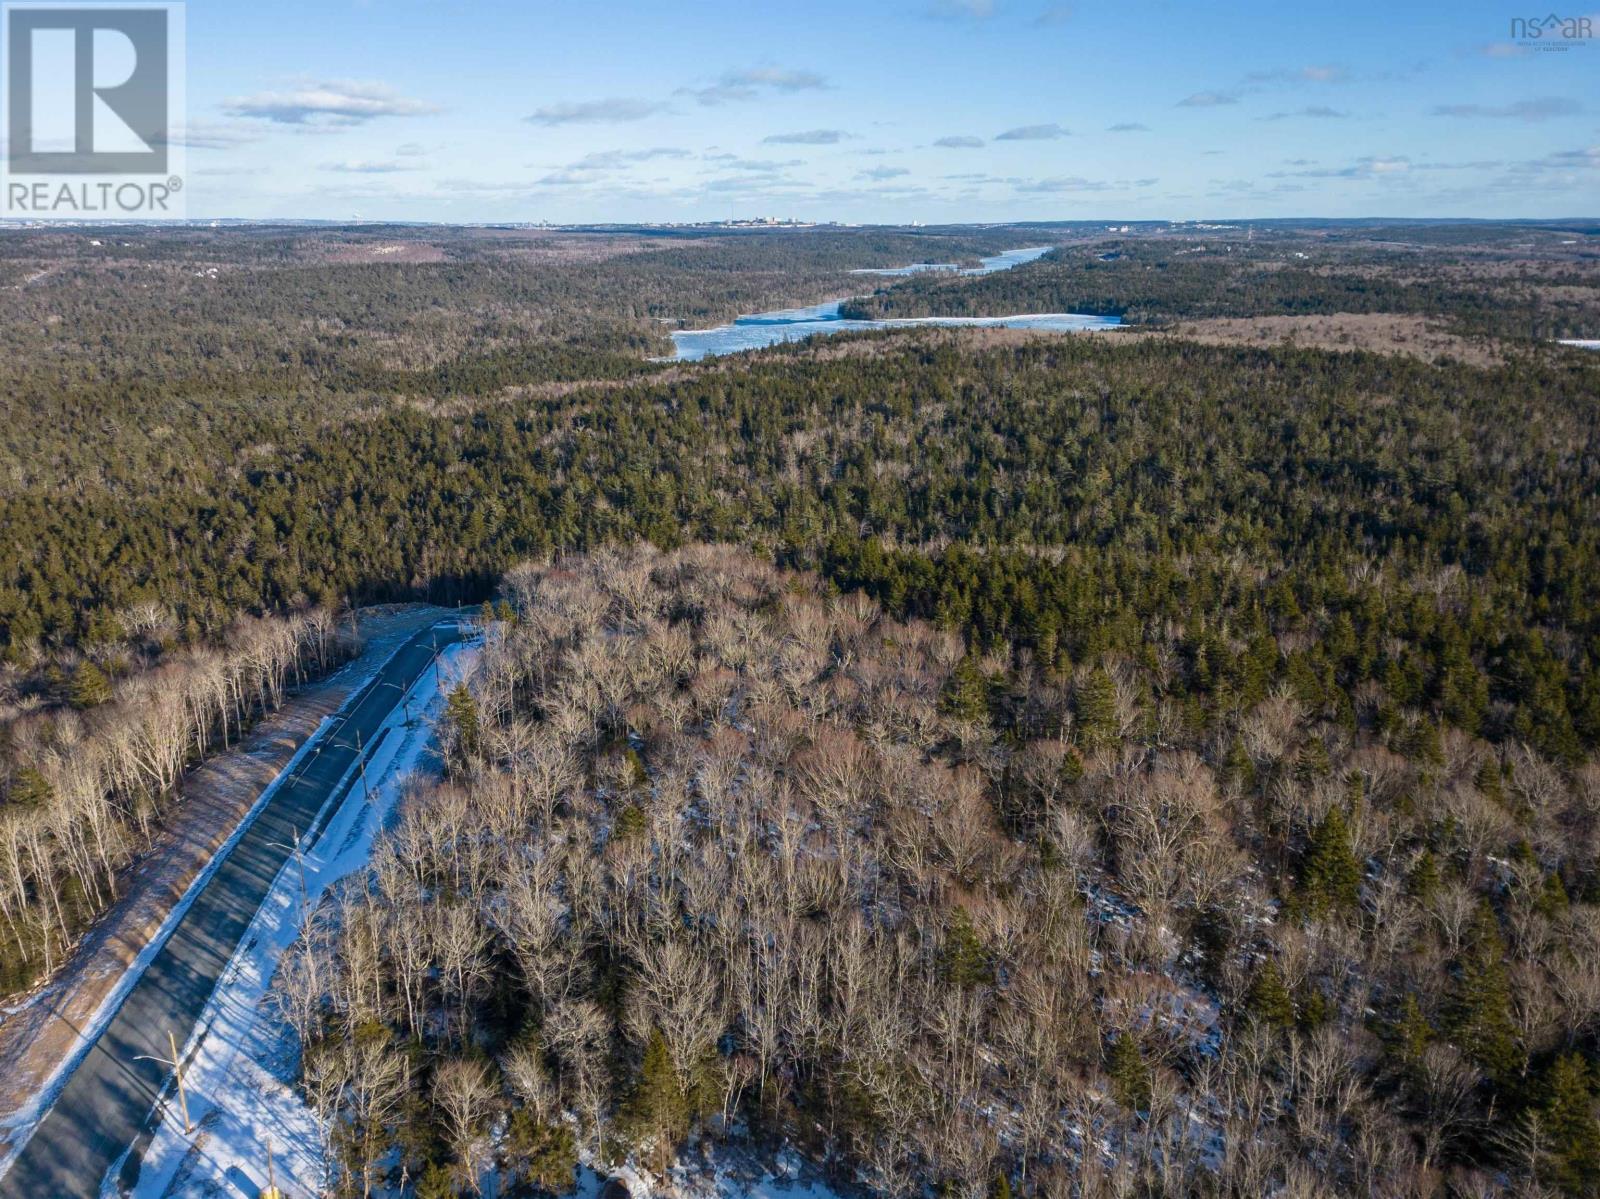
x=108 y=1105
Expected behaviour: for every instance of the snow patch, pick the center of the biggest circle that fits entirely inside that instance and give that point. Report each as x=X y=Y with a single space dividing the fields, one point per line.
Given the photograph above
x=240 y=1056
x=34 y=1110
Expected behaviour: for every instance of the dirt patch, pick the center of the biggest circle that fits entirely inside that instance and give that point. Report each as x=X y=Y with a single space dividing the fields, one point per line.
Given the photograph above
x=39 y=1031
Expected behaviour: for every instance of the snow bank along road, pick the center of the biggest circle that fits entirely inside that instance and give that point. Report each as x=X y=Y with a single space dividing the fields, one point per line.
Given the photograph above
x=105 y=1108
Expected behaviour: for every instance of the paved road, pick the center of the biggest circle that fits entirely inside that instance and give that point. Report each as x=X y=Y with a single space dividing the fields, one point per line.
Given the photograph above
x=107 y=1106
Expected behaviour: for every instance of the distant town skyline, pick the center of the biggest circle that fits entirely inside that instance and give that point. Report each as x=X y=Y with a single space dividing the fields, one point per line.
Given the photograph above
x=927 y=110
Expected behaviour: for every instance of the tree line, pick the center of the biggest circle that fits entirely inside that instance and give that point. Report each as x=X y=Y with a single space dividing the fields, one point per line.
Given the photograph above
x=86 y=786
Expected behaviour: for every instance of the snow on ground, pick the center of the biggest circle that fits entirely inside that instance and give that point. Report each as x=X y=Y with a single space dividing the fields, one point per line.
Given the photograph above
x=18 y=1125
x=33 y=1111
x=239 y=1060
x=717 y=1172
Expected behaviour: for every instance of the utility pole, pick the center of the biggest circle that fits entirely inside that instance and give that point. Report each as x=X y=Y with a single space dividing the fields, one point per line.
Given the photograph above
x=405 y=697
x=177 y=1070
x=361 y=757
x=294 y=846
x=300 y=861
x=272 y=1191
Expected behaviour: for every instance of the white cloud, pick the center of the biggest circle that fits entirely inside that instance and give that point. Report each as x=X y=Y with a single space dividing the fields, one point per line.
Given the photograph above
x=760 y=165
x=1587 y=159
x=328 y=103
x=1208 y=99
x=749 y=84
x=1067 y=183
x=1316 y=111
x=1032 y=133
x=1373 y=166
x=616 y=160
x=959 y=143
x=808 y=137
x=370 y=167
x=612 y=109
x=1543 y=108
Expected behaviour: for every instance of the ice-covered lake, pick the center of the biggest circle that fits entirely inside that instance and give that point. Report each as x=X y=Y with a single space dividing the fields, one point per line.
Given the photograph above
x=986 y=266
x=795 y=324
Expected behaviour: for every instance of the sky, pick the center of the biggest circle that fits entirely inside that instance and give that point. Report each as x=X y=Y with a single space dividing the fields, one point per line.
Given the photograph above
x=884 y=111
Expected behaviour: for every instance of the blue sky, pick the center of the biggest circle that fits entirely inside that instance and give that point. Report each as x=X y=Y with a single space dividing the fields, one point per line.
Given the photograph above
x=883 y=111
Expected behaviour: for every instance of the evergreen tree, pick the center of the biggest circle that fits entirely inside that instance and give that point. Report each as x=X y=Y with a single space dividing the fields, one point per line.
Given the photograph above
x=544 y=1156
x=1553 y=898
x=1094 y=705
x=1312 y=762
x=1330 y=881
x=1268 y=999
x=1480 y=1002
x=631 y=823
x=29 y=788
x=658 y=1108
x=966 y=692
x=1238 y=769
x=1313 y=1009
x=1425 y=743
x=438 y=1181
x=963 y=959
x=90 y=688
x=1423 y=881
x=1489 y=782
x=1130 y=1076
x=1569 y=1122
x=462 y=710
x=1408 y=1039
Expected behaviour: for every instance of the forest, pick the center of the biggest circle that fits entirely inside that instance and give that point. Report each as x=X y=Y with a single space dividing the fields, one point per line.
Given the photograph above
x=727 y=855
x=1148 y=281
x=1063 y=497
x=88 y=782
x=1093 y=765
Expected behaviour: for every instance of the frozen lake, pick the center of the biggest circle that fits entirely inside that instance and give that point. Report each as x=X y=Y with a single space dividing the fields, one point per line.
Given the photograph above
x=795 y=324
x=986 y=266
